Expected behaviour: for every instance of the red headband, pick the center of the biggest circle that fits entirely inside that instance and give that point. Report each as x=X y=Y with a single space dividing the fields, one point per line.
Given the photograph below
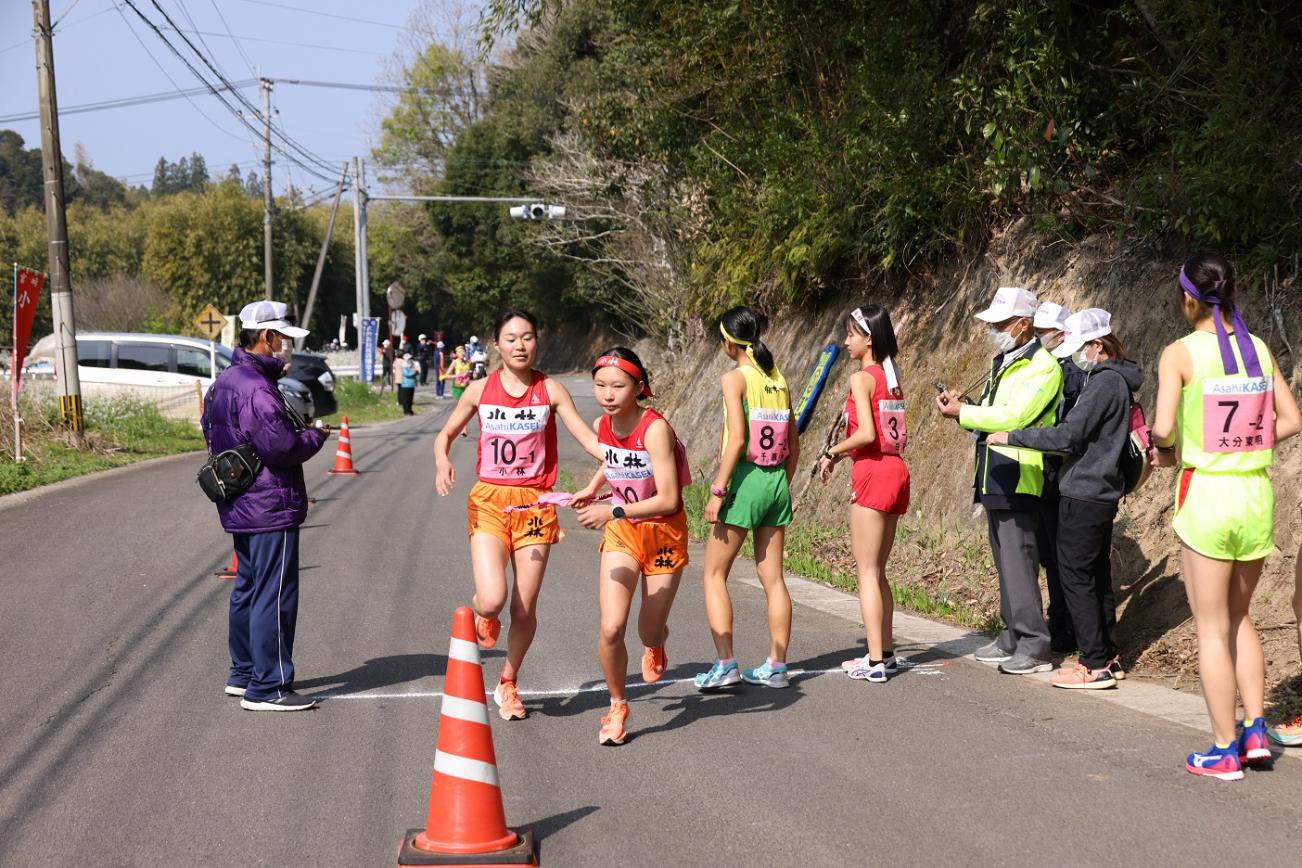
x=627 y=367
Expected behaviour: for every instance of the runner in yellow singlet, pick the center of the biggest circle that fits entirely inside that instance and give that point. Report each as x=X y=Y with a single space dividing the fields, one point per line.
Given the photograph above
x=1221 y=398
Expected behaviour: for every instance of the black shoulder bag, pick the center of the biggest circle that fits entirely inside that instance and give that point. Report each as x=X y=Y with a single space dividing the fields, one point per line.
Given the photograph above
x=228 y=474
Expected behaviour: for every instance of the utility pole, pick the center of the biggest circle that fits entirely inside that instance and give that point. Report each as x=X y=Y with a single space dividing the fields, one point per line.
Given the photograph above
x=321 y=258
x=358 y=254
x=65 y=327
x=267 y=201
x=361 y=244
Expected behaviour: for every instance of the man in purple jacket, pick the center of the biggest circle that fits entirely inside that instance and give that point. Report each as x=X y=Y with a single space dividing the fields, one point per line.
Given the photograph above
x=244 y=406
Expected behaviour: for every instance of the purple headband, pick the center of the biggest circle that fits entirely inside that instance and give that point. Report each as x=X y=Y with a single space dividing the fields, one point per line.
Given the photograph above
x=1251 y=364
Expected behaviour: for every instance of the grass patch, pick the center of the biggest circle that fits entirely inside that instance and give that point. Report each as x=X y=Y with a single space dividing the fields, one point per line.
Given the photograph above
x=808 y=552
x=118 y=431
x=362 y=404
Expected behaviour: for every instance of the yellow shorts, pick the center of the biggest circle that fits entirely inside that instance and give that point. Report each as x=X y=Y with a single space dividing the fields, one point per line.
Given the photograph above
x=1227 y=516
x=485 y=513
x=659 y=547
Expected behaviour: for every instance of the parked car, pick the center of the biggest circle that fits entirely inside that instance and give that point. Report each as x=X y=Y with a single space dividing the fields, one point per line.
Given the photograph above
x=298 y=397
x=314 y=372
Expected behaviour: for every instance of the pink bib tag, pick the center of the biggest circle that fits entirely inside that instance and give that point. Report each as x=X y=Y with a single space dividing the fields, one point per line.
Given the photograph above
x=768 y=436
x=1238 y=414
x=512 y=441
x=893 y=436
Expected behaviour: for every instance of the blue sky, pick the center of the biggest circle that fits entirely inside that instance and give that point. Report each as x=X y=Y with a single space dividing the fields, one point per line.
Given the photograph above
x=97 y=57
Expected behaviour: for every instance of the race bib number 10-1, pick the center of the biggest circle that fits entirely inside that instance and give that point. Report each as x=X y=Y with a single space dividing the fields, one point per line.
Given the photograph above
x=1238 y=414
x=512 y=441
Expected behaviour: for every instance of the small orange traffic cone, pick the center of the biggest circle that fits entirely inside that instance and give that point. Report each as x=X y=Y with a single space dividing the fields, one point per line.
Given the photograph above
x=232 y=571
x=465 y=802
x=344 y=452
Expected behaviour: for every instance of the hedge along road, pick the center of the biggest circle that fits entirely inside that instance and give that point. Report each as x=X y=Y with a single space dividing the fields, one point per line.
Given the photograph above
x=120 y=748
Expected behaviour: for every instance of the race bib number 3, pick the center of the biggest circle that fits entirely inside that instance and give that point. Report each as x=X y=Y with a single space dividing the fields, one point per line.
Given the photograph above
x=512 y=442
x=893 y=436
x=768 y=436
x=1238 y=414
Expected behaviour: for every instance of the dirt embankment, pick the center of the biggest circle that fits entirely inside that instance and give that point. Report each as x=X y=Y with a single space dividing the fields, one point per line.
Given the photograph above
x=941 y=544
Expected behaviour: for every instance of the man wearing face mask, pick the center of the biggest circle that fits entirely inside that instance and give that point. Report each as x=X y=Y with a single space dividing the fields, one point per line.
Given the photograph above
x=1050 y=327
x=243 y=406
x=1092 y=437
x=1022 y=391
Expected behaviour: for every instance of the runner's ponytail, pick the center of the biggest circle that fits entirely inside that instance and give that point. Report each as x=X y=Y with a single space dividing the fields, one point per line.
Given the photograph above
x=743 y=326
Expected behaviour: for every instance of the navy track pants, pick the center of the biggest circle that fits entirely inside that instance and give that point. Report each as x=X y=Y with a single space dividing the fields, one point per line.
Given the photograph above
x=264 y=610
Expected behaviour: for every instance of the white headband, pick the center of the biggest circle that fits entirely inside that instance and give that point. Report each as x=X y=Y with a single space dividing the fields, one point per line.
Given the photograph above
x=888 y=364
x=858 y=316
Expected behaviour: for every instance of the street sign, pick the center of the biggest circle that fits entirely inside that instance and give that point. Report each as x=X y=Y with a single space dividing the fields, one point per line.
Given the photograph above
x=370 y=332
x=395 y=295
x=210 y=322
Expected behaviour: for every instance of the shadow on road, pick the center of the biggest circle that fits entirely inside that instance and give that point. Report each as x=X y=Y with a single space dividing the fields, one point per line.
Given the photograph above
x=379 y=672
x=553 y=824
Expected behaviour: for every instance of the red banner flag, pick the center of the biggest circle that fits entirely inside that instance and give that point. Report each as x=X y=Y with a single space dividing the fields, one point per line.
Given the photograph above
x=27 y=291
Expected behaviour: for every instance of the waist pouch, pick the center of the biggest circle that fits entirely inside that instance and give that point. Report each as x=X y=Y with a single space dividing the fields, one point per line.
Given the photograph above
x=226 y=475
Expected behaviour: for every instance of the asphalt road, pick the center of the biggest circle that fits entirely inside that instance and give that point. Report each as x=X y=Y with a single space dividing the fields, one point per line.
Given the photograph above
x=117 y=746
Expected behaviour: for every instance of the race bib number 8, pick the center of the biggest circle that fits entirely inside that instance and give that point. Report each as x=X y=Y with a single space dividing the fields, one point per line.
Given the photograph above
x=893 y=436
x=768 y=436
x=1238 y=414
x=511 y=441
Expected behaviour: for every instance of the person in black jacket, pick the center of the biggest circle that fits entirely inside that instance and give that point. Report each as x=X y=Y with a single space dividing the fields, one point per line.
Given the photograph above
x=1092 y=438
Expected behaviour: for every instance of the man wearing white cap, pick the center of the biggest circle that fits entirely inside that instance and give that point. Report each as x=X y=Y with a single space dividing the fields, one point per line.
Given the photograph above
x=243 y=409
x=422 y=353
x=1023 y=391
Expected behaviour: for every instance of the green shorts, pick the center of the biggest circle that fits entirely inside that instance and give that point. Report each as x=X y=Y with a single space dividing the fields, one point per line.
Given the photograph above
x=1227 y=516
x=757 y=497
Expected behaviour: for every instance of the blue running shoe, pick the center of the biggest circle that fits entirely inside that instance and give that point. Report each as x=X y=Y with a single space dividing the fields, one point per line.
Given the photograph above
x=769 y=675
x=1253 y=744
x=1221 y=763
x=718 y=676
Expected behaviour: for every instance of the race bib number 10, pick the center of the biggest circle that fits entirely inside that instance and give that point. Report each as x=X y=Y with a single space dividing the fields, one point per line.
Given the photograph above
x=512 y=441
x=768 y=436
x=1238 y=414
x=893 y=436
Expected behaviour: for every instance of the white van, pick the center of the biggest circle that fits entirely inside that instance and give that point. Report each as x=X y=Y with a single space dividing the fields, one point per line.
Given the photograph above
x=116 y=359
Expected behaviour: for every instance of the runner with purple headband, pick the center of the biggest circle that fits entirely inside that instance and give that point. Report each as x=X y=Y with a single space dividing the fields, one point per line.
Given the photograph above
x=1225 y=405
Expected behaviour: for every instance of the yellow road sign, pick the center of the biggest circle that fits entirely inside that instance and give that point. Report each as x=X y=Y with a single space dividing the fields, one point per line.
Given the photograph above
x=210 y=323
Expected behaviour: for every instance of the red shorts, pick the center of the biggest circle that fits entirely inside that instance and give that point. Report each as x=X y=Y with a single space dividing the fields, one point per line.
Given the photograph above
x=880 y=482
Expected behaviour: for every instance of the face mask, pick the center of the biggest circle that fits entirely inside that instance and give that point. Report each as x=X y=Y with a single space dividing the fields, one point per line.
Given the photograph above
x=1083 y=363
x=1002 y=341
x=286 y=351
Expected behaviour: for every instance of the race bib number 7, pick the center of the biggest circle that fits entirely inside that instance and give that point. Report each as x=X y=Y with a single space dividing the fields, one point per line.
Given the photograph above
x=893 y=436
x=768 y=436
x=1238 y=414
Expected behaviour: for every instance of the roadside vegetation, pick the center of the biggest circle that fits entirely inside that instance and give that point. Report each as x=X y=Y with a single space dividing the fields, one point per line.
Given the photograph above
x=362 y=404
x=118 y=431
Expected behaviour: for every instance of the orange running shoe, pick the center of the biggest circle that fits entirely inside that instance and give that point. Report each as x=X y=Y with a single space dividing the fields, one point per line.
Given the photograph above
x=612 y=725
x=507 y=697
x=654 y=661
x=487 y=630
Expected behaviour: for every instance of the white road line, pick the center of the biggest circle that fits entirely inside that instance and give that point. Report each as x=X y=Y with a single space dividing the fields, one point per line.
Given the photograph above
x=545 y=694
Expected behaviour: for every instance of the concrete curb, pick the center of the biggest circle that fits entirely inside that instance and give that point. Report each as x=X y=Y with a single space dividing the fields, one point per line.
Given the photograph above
x=1154 y=700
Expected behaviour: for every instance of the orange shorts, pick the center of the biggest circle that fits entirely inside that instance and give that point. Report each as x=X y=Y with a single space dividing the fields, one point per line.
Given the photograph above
x=485 y=514
x=658 y=546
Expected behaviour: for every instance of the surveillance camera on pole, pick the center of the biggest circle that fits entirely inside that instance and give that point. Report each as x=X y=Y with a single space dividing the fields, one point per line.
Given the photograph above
x=538 y=211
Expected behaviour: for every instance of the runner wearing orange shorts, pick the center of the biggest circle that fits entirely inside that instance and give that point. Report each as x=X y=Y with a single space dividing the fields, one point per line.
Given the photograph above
x=645 y=535
x=516 y=462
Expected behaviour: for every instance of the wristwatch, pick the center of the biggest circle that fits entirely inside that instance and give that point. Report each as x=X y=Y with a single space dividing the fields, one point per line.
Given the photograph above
x=827 y=453
x=617 y=512
x=718 y=492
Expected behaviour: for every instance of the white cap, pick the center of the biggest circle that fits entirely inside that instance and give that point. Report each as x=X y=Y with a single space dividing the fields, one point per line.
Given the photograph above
x=1009 y=302
x=474 y=339
x=386 y=343
x=1051 y=316
x=269 y=315
x=406 y=356
x=440 y=345
x=421 y=338
x=1088 y=325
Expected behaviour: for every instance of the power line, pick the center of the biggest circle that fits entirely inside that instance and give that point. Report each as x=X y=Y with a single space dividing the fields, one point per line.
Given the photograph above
x=203 y=33
x=238 y=47
x=125 y=102
x=327 y=14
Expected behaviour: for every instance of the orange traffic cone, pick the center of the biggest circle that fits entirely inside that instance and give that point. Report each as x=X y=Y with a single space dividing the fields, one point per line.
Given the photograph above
x=232 y=571
x=465 y=802
x=344 y=452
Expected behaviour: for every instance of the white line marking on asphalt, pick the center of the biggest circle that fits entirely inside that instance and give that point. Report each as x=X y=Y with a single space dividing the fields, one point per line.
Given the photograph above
x=568 y=691
x=466 y=769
